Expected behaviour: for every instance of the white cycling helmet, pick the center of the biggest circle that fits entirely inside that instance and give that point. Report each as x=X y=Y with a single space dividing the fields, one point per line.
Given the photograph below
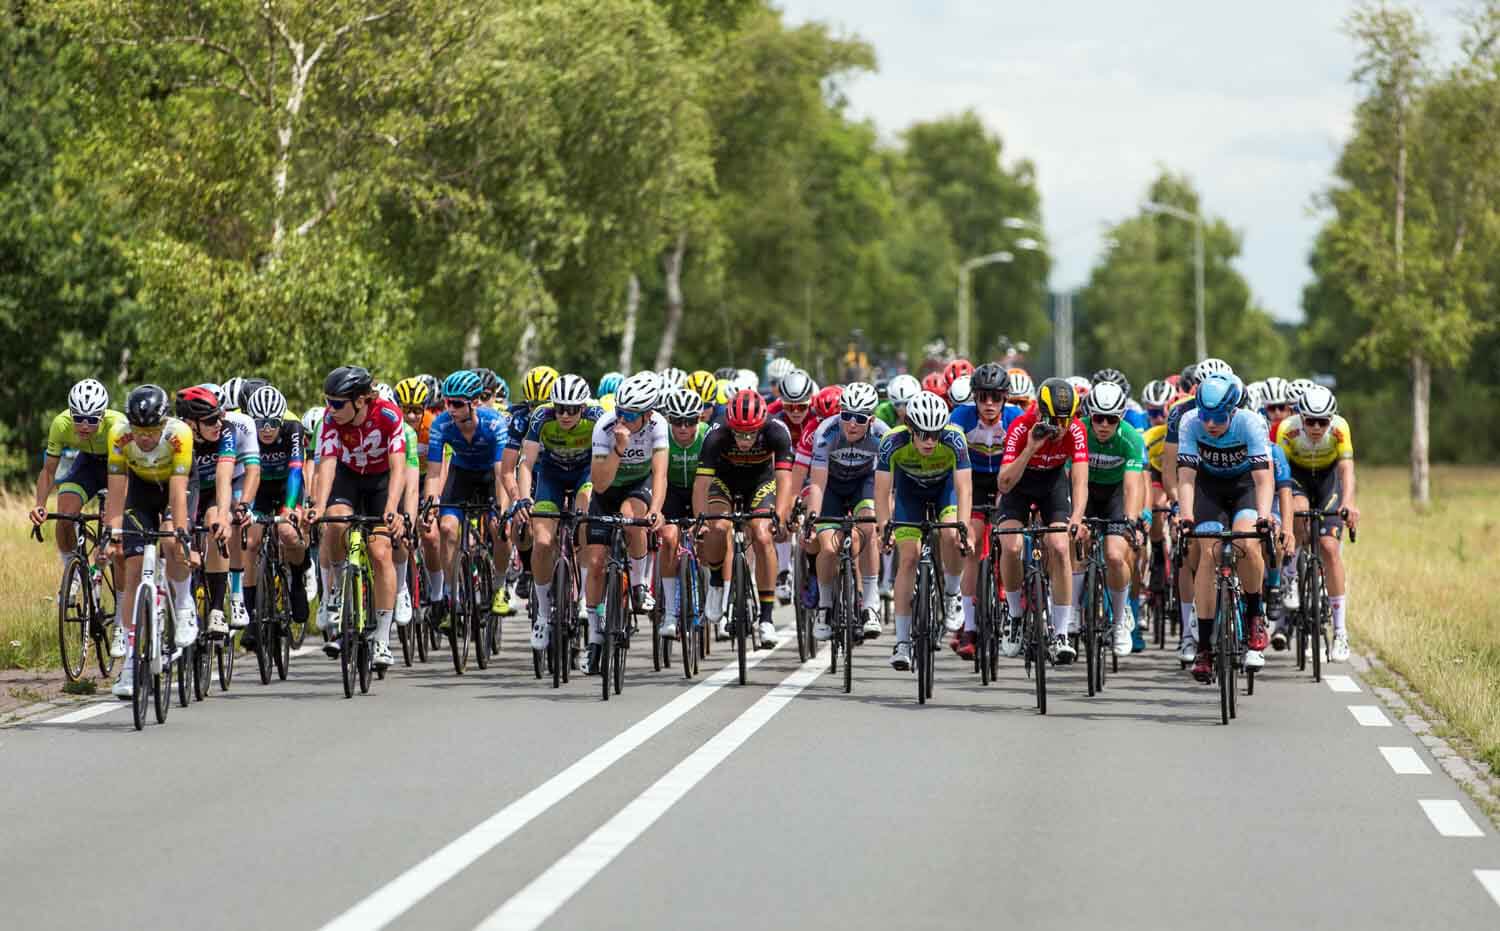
x=797 y=387
x=859 y=397
x=745 y=379
x=1210 y=367
x=1107 y=398
x=1157 y=394
x=88 y=398
x=778 y=369
x=382 y=390
x=266 y=404
x=1255 y=393
x=681 y=403
x=572 y=390
x=1275 y=391
x=902 y=389
x=220 y=393
x=312 y=420
x=1021 y=385
x=961 y=390
x=927 y=412
x=1080 y=385
x=639 y=393
x=230 y=393
x=671 y=378
x=1295 y=390
x=1318 y=401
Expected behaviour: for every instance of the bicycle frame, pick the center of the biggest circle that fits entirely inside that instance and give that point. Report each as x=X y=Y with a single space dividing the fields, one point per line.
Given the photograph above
x=746 y=630
x=848 y=627
x=927 y=604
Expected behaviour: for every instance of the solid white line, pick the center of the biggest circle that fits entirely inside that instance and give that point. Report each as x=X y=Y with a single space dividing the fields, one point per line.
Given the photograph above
x=1342 y=683
x=1490 y=880
x=1405 y=761
x=1449 y=817
x=1369 y=716
x=389 y=902
x=543 y=896
x=92 y=710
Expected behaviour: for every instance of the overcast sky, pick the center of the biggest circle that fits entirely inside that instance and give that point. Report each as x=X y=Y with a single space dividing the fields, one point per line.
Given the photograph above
x=1251 y=100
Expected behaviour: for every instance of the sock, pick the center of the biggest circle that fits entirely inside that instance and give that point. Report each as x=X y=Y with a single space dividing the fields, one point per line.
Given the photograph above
x=383 y=626
x=784 y=557
x=1117 y=601
x=543 y=595
x=1013 y=604
x=218 y=582
x=1291 y=564
x=673 y=594
x=872 y=595
x=1253 y=606
x=526 y=558
x=438 y=580
x=583 y=579
x=1205 y=631
x=403 y=583
x=825 y=596
x=640 y=568
x=903 y=628
x=767 y=603
x=250 y=599
x=596 y=624
x=334 y=584
x=1189 y=616
x=182 y=595
x=716 y=575
x=1062 y=618
x=951 y=584
x=1337 y=604
x=237 y=584
x=1273 y=577
x=886 y=559
x=970 y=625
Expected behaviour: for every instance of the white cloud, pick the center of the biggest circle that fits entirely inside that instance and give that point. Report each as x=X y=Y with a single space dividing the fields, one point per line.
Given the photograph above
x=1252 y=101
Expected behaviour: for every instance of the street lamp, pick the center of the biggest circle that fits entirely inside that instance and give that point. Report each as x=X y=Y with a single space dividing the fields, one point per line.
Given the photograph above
x=965 y=299
x=1200 y=338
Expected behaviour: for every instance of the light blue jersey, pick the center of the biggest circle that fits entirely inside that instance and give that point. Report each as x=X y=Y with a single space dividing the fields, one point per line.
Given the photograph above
x=1243 y=448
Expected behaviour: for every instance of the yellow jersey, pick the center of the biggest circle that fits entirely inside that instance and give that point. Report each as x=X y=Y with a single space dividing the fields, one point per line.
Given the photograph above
x=1156 y=442
x=171 y=456
x=1302 y=452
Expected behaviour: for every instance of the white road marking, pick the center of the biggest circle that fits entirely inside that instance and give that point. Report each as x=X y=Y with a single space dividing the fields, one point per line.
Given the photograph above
x=1405 y=761
x=389 y=902
x=1342 y=683
x=543 y=896
x=92 y=710
x=1449 y=817
x=1369 y=716
x=1490 y=880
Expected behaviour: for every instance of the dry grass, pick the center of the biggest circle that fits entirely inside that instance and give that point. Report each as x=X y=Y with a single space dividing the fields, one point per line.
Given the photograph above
x=1420 y=595
x=28 y=591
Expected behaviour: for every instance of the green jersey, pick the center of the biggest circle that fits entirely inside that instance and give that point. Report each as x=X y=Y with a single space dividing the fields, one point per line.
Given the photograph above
x=886 y=411
x=682 y=461
x=413 y=458
x=64 y=435
x=1110 y=460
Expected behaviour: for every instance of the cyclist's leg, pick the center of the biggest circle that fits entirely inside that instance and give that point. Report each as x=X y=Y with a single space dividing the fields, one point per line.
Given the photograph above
x=762 y=541
x=910 y=504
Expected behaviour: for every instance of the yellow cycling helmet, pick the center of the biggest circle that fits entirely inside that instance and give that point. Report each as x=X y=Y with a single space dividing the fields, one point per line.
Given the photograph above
x=1056 y=400
x=412 y=392
x=721 y=393
x=704 y=384
x=538 y=383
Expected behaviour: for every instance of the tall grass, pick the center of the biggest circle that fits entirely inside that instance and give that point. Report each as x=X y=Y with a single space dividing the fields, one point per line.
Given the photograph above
x=29 y=573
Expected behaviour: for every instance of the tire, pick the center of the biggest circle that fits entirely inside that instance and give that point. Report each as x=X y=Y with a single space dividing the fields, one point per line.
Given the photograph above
x=619 y=639
x=1090 y=626
x=799 y=610
x=73 y=618
x=1319 y=614
x=225 y=650
x=845 y=607
x=161 y=683
x=1102 y=630
x=611 y=623
x=689 y=615
x=203 y=666
x=1223 y=656
x=184 y=666
x=106 y=611
x=266 y=621
x=479 y=610
x=983 y=621
x=140 y=696
x=935 y=631
x=416 y=628
x=741 y=616
x=403 y=635
x=919 y=630
x=459 y=621
x=564 y=609
x=363 y=658
x=347 y=634
x=1038 y=625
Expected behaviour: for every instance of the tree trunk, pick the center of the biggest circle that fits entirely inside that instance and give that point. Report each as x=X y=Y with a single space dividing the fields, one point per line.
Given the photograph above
x=632 y=308
x=672 y=265
x=1421 y=391
x=525 y=347
x=471 y=345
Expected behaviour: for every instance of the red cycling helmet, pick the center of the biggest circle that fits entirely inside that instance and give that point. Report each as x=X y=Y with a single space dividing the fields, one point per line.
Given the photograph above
x=197 y=403
x=747 y=411
x=827 y=403
x=936 y=383
x=956 y=369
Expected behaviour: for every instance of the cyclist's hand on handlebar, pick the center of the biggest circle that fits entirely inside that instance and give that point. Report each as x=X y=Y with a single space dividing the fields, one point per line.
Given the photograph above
x=38 y=515
x=241 y=512
x=1351 y=517
x=310 y=515
x=654 y=516
x=964 y=546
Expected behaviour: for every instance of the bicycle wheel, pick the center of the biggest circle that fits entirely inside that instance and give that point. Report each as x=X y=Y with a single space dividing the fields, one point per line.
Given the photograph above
x=1090 y=625
x=73 y=617
x=479 y=611
x=348 y=624
x=105 y=613
x=405 y=636
x=738 y=582
x=161 y=684
x=140 y=694
x=365 y=652
x=919 y=627
x=1319 y=615
x=460 y=623
x=799 y=610
x=1223 y=652
x=225 y=650
x=416 y=628
x=848 y=619
x=203 y=665
x=983 y=621
x=184 y=666
x=1038 y=626
x=619 y=638
x=265 y=621
x=935 y=630
x=689 y=614
x=611 y=624
x=564 y=609
x=1103 y=628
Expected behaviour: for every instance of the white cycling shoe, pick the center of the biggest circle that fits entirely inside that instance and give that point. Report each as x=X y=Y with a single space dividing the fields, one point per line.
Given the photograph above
x=403 y=607
x=1339 y=652
x=768 y=635
x=187 y=631
x=117 y=643
x=822 y=630
x=901 y=657
x=124 y=686
x=216 y=624
x=872 y=624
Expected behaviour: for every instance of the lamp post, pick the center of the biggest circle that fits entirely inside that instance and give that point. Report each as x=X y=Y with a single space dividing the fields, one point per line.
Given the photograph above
x=1200 y=339
x=965 y=298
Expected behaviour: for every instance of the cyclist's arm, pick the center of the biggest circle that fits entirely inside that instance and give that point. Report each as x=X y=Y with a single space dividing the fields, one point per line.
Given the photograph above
x=602 y=472
x=114 y=508
x=324 y=483
x=882 y=497
x=800 y=473
x=660 y=462
x=815 y=491
x=252 y=482
x=1346 y=479
x=1080 y=479
x=223 y=485
x=1265 y=485
x=784 y=495
x=507 y=473
x=1186 y=476
x=45 y=479
x=1169 y=471
x=701 y=485
x=177 y=494
x=963 y=488
x=528 y=466
x=1135 y=494
x=396 y=483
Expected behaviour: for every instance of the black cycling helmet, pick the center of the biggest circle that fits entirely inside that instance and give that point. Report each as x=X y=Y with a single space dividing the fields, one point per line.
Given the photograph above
x=348 y=381
x=726 y=374
x=488 y=381
x=1188 y=380
x=146 y=406
x=248 y=387
x=1114 y=377
x=990 y=376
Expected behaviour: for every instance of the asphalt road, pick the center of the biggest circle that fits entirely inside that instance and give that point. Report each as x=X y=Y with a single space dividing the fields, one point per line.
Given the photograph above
x=492 y=801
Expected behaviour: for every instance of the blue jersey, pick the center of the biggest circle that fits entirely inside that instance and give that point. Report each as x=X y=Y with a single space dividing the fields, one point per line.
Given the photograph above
x=1281 y=468
x=986 y=444
x=520 y=419
x=1174 y=418
x=899 y=454
x=1135 y=415
x=1243 y=448
x=477 y=454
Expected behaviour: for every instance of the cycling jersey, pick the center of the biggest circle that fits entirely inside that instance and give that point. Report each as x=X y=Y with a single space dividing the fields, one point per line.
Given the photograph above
x=1110 y=459
x=281 y=461
x=520 y=421
x=1155 y=439
x=986 y=443
x=207 y=454
x=477 y=453
x=1071 y=445
x=1243 y=448
x=635 y=462
x=682 y=461
x=899 y=455
x=1178 y=411
x=564 y=449
x=63 y=434
x=413 y=457
x=1135 y=415
x=722 y=456
x=886 y=411
x=171 y=456
x=1301 y=451
x=246 y=441
x=846 y=460
x=366 y=447
x=424 y=428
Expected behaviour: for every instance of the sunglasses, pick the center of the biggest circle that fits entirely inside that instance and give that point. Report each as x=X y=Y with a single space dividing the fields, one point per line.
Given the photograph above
x=1283 y=408
x=408 y=411
x=685 y=421
x=1316 y=421
x=1156 y=412
x=336 y=404
x=268 y=423
x=930 y=435
x=631 y=416
x=1105 y=420
x=86 y=421
x=795 y=408
x=570 y=410
x=1215 y=417
x=851 y=417
x=990 y=397
x=740 y=435
x=213 y=420
x=457 y=403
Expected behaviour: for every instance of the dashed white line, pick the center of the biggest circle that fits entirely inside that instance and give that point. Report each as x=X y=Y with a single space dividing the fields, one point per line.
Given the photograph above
x=1405 y=761
x=1342 y=683
x=92 y=710
x=1490 y=880
x=543 y=896
x=392 y=900
x=1449 y=817
x=1369 y=716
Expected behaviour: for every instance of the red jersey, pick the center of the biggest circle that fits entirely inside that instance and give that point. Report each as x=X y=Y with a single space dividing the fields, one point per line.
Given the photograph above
x=1072 y=444
x=802 y=452
x=366 y=447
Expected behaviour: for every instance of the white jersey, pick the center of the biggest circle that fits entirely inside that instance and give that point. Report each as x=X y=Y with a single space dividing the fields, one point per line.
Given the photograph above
x=635 y=462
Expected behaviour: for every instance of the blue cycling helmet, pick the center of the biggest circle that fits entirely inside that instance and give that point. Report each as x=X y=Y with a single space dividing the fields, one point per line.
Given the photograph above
x=609 y=383
x=463 y=384
x=502 y=389
x=1219 y=395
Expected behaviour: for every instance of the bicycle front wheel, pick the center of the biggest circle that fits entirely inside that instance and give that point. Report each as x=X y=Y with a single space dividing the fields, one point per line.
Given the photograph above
x=460 y=621
x=73 y=600
x=921 y=628
x=1321 y=614
x=849 y=620
x=739 y=584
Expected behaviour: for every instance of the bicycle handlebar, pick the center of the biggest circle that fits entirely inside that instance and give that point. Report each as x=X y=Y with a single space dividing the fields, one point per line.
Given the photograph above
x=1341 y=513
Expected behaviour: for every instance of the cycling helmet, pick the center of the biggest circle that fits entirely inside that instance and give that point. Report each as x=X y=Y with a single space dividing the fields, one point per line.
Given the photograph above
x=935 y=383
x=347 y=381
x=569 y=390
x=1056 y=400
x=88 y=398
x=747 y=411
x=1107 y=398
x=1275 y=391
x=682 y=403
x=312 y=420
x=537 y=386
x=673 y=378
x=961 y=391
x=1114 y=377
x=778 y=369
x=990 y=377
x=411 y=392
x=796 y=387
x=434 y=390
x=146 y=406
x=502 y=389
x=859 y=398
x=639 y=393
x=827 y=403
x=1210 y=367
x=384 y=392
x=217 y=392
x=744 y=378
x=902 y=389
x=230 y=399
x=927 y=412
x=1219 y=395
x=705 y=384
x=609 y=383
x=1318 y=401
x=1080 y=386
x=197 y=403
x=1021 y=385
x=726 y=373
x=956 y=368
x=1297 y=388
x=1255 y=395
x=488 y=380
x=464 y=384
x=266 y=404
x=1157 y=394
x=1188 y=380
